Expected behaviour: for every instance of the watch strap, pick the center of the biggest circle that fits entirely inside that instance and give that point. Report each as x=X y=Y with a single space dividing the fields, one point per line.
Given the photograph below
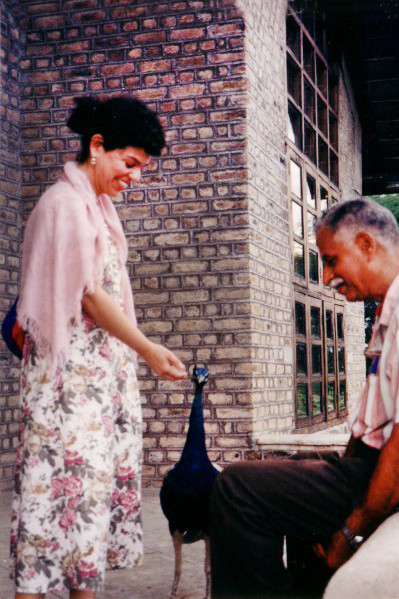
x=353 y=539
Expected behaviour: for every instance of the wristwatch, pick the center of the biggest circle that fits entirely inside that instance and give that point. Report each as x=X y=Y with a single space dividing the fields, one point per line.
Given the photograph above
x=353 y=539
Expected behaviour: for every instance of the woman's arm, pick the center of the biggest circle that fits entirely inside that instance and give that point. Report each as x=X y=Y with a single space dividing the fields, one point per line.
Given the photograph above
x=107 y=313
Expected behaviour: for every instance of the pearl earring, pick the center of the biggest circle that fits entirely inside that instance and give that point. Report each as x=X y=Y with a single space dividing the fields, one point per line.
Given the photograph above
x=93 y=161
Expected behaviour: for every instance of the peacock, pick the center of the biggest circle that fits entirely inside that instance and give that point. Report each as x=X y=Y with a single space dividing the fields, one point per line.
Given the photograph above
x=186 y=488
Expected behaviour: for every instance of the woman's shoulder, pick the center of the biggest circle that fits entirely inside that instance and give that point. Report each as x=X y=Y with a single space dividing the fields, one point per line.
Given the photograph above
x=61 y=196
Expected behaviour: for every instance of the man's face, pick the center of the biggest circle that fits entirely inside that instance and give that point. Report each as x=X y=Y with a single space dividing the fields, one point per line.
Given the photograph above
x=345 y=266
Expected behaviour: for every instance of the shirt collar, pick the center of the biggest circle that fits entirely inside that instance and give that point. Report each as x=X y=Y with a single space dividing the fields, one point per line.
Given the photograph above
x=390 y=302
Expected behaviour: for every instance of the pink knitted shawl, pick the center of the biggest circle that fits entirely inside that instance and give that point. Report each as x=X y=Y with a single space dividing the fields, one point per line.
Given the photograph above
x=63 y=258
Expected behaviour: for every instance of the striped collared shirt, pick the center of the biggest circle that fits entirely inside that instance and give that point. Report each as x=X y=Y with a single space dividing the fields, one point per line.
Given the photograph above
x=378 y=407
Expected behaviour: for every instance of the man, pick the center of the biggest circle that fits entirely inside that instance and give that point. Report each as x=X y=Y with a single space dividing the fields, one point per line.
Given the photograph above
x=336 y=502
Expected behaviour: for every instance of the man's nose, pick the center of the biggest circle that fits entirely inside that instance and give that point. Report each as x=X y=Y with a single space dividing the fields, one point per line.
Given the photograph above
x=135 y=175
x=327 y=274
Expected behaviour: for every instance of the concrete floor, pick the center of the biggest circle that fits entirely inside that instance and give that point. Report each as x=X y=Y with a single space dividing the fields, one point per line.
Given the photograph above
x=153 y=580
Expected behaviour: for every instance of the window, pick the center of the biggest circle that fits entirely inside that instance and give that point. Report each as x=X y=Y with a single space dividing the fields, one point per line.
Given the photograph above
x=312 y=93
x=320 y=381
x=320 y=377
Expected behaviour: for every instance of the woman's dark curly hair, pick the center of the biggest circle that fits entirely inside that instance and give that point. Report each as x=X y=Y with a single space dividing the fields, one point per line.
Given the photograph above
x=122 y=122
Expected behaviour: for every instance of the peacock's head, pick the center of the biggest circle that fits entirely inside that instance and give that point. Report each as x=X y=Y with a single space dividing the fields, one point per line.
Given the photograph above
x=200 y=375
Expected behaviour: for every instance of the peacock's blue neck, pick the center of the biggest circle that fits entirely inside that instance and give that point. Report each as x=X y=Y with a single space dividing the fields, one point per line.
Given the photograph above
x=195 y=440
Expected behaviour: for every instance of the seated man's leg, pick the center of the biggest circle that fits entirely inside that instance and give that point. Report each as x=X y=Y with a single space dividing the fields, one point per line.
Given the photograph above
x=373 y=571
x=255 y=504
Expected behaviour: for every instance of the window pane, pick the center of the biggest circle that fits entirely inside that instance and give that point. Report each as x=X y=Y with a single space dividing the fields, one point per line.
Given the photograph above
x=296 y=180
x=331 y=396
x=334 y=167
x=340 y=326
x=322 y=121
x=342 y=394
x=316 y=359
x=313 y=266
x=321 y=76
x=315 y=321
x=317 y=398
x=333 y=91
x=293 y=37
x=329 y=324
x=308 y=58
x=299 y=259
x=300 y=318
x=333 y=130
x=297 y=219
x=311 y=191
x=341 y=360
x=294 y=81
x=294 y=126
x=310 y=142
x=301 y=361
x=302 y=399
x=330 y=359
x=310 y=101
x=323 y=155
x=311 y=231
x=323 y=199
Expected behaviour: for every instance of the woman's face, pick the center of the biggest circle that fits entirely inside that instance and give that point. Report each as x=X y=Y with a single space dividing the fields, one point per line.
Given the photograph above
x=115 y=170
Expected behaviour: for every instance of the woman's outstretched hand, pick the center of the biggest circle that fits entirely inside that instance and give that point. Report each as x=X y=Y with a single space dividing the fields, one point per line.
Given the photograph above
x=164 y=362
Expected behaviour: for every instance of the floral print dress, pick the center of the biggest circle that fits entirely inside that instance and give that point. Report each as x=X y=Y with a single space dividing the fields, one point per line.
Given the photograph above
x=76 y=508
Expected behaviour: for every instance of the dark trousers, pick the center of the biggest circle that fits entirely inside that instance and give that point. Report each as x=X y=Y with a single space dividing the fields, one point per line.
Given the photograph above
x=255 y=505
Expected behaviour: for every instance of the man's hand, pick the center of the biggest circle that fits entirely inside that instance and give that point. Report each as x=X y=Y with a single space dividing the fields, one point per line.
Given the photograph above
x=337 y=552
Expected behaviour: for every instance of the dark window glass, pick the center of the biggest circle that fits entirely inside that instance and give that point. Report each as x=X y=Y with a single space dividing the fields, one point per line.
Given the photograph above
x=294 y=37
x=310 y=142
x=310 y=100
x=322 y=120
x=315 y=321
x=300 y=318
x=313 y=266
x=342 y=394
x=308 y=58
x=294 y=80
x=334 y=167
x=341 y=360
x=331 y=396
x=317 y=398
x=301 y=361
x=330 y=359
x=321 y=76
x=302 y=399
x=329 y=324
x=323 y=155
x=333 y=130
x=332 y=91
x=299 y=259
x=340 y=326
x=316 y=359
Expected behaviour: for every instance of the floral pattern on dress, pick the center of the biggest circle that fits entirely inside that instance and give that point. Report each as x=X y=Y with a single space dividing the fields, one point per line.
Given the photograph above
x=76 y=506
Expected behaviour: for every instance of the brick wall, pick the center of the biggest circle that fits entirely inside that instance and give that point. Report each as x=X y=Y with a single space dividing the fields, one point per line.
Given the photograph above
x=268 y=229
x=11 y=49
x=187 y=223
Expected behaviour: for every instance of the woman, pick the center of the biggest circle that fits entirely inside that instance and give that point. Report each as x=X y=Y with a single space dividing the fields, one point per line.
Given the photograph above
x=76 y=508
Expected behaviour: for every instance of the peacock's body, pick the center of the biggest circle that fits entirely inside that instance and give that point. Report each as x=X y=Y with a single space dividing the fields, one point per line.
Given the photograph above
x=186 y=488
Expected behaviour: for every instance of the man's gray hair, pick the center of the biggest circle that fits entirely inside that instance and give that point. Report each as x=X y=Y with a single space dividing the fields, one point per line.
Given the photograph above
x=360 y=213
